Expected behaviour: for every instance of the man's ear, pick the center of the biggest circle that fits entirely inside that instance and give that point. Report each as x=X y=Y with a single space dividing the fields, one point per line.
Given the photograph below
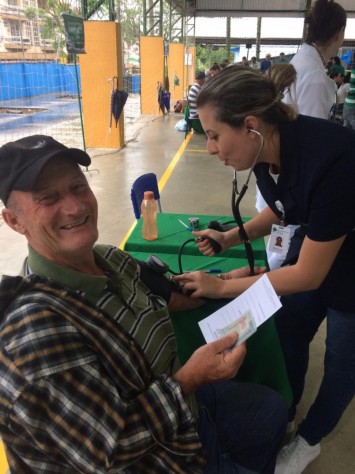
x=12 y=220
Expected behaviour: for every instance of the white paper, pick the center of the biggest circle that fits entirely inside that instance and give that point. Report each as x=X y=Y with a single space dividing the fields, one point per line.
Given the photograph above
x=260 y=301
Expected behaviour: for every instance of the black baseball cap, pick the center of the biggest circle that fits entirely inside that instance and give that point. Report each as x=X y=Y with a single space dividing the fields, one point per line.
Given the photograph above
x=22 y=161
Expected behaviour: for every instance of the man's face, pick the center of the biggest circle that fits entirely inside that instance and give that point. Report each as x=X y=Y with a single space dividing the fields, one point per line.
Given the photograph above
x=59 y=215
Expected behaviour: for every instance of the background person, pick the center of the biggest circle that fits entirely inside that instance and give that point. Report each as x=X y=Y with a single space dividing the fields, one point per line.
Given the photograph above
x=254 y=63
x=336 y=66
x=193 y=121
x=313 y=93
x=349 y=103
x=265 y=64
x=342 y=85
x=215 y=69
x=90 y=378
x=248 y=126
x=193 y=93
x=281 y=59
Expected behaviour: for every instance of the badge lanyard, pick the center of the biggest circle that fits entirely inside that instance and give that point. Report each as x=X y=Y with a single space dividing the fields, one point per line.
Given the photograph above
x=236 y=198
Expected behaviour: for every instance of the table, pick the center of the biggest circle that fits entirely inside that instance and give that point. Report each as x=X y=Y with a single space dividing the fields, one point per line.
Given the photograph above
x=264 y=362
x=172 y=235
x=198 y=262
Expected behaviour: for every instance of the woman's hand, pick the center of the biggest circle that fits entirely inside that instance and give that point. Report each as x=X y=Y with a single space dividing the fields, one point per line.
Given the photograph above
x=199 y=284
x=205 y=246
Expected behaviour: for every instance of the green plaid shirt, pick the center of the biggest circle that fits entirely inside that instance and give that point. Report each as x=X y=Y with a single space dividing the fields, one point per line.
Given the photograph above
x=78 y=394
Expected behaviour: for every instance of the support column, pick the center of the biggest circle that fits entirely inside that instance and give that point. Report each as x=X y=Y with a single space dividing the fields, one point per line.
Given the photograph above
x=102 y=62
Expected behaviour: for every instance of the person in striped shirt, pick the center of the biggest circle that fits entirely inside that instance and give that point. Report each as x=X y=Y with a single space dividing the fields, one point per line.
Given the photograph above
x=200 y=78
x=90 y=377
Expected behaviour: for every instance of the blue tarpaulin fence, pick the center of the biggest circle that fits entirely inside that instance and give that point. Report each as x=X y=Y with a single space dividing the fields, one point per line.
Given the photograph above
x=19 y=80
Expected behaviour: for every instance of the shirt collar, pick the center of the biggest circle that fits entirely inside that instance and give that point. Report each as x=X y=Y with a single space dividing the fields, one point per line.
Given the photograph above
x=90 y=284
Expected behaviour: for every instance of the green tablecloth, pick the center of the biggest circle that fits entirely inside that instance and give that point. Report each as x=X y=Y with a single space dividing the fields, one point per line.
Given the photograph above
x=172 y=235
x=264 y=362
x=198 y=262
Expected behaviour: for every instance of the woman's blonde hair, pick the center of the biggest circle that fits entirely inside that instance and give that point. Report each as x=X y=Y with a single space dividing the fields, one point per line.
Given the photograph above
x=239 y=91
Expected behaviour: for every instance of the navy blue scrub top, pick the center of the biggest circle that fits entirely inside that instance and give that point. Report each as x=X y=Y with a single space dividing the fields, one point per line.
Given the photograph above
x=316 y=187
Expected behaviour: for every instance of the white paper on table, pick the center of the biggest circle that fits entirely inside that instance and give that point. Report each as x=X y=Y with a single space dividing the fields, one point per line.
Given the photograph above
x=244 y=314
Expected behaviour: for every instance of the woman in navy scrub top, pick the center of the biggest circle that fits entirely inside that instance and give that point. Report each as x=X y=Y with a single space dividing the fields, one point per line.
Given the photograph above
x=247 y=125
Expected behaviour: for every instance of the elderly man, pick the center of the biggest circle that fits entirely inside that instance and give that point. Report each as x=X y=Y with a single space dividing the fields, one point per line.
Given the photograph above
x=90 y=379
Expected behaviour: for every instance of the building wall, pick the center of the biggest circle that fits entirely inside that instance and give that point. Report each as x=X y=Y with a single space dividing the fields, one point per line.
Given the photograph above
x=176 y=69
x=99 y=66
x=20 y=37
x=152 y=72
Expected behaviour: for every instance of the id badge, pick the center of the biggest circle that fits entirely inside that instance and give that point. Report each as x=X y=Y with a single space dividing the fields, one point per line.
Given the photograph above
x=279 y=241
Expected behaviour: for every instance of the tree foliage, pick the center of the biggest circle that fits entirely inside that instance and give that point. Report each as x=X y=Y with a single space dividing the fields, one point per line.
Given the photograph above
x=131 y=18
x=207 y=55
x=129 y=13
x=48 y=16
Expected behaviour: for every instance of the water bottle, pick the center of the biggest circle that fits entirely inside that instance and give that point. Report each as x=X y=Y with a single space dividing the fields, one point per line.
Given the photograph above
x=149 y=211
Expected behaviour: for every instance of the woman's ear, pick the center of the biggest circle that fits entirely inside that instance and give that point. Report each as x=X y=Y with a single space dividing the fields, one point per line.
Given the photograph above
x=251 y=122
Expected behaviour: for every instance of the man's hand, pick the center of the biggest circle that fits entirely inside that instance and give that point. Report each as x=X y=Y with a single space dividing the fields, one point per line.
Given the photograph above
x=181 y=302
x=210 y=363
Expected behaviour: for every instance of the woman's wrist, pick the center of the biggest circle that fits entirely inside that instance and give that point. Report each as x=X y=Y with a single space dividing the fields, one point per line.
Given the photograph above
x=232 y=237
x=230 y=287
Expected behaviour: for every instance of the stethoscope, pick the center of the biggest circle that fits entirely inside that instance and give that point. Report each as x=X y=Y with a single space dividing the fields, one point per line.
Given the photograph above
x=236 y=199
x=161 y=267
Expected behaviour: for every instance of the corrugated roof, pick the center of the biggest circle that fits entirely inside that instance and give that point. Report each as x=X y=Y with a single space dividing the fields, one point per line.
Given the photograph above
x=243 y=8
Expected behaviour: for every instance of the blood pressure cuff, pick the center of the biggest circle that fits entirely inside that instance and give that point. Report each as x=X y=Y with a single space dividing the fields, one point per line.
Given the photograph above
x=159 y=284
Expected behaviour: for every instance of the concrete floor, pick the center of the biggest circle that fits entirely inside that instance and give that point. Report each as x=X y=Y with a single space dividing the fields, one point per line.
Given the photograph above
x=198 y=184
